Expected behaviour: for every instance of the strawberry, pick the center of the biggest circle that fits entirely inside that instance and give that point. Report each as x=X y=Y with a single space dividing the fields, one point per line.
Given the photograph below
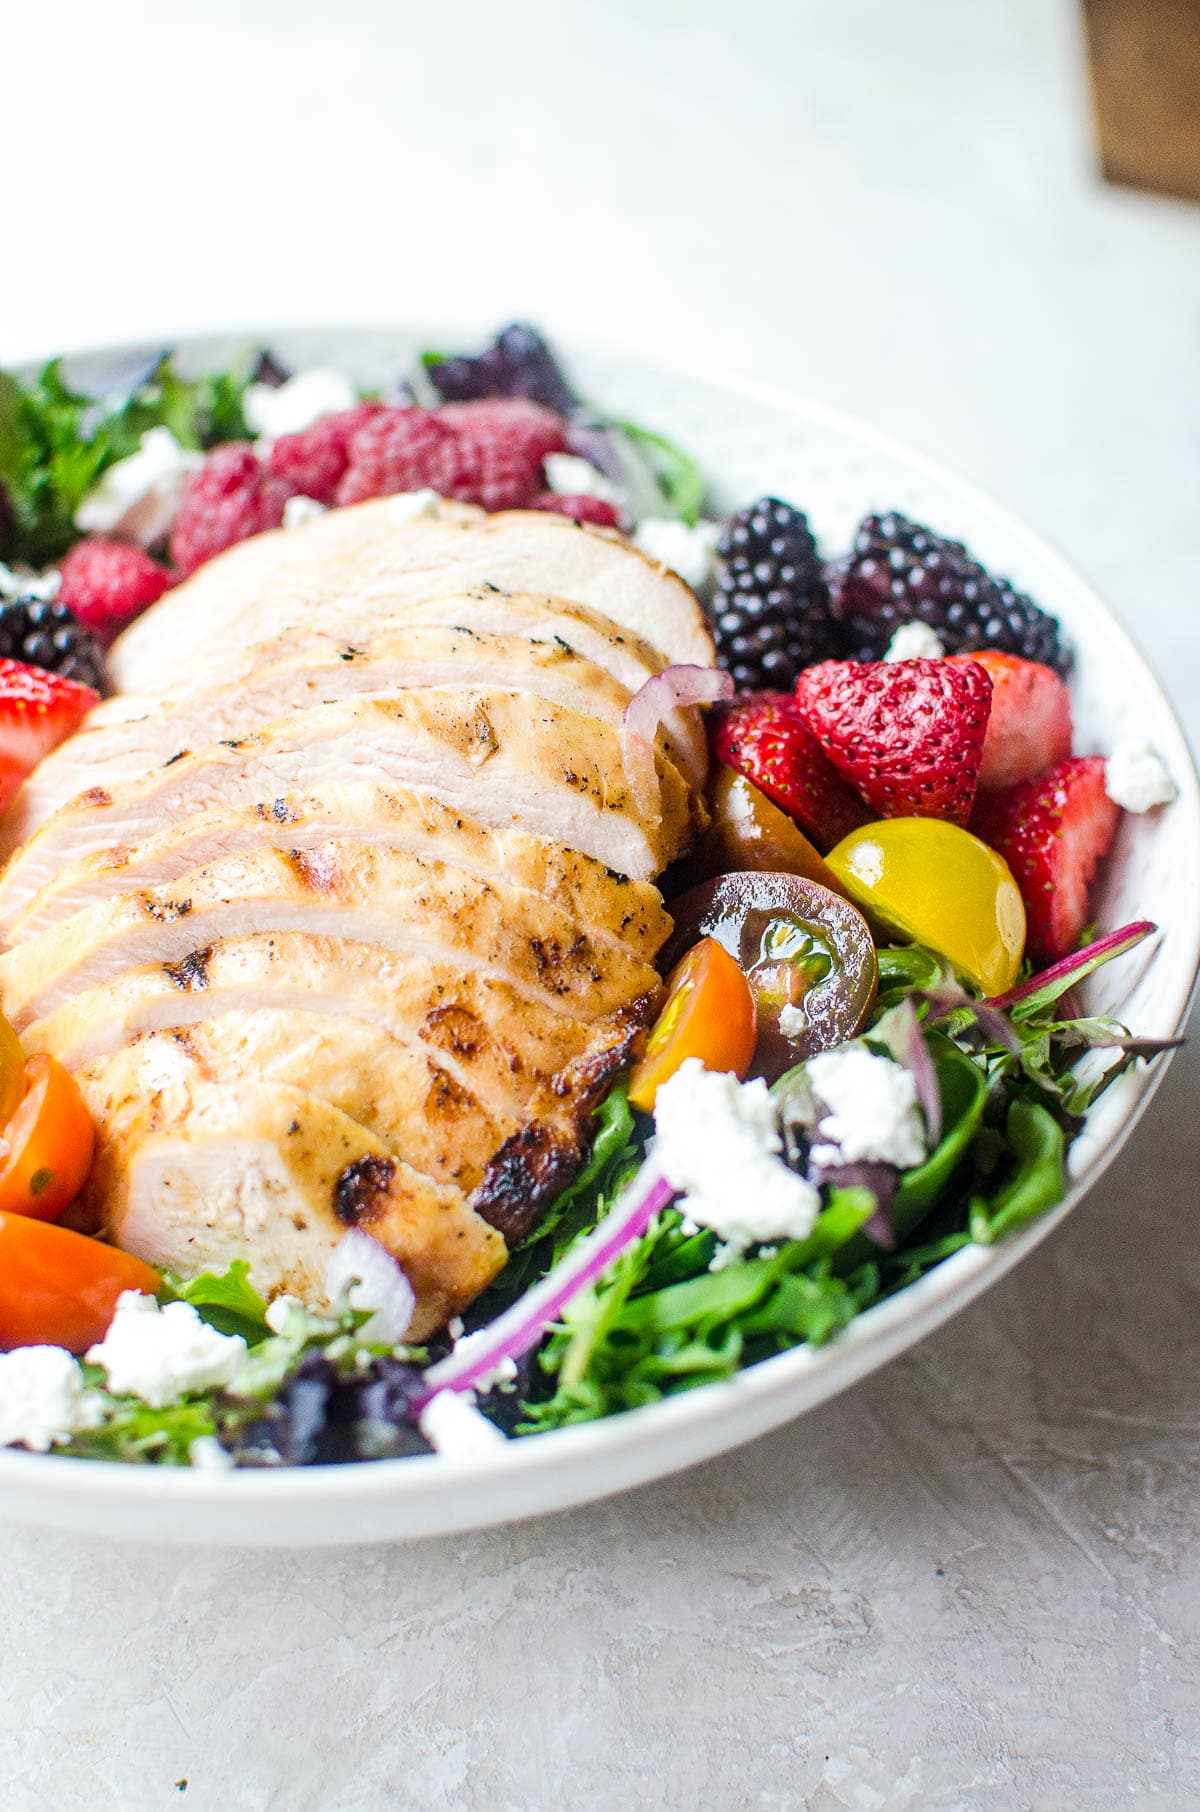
x=763 y=736
x=1030 y=724
x=38 y=710
x=907 y=734
x=1053 y=832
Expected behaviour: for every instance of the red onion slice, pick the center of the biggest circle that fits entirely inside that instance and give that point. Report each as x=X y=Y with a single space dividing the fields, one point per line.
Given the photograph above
x=372 y=1279
x=674 y=689
x=522 y=1326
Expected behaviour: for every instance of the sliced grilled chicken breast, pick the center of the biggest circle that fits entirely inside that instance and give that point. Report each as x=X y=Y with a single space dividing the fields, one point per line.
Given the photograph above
x=608 y=906
x=503 y=758
x=496 y=1040
x=122 y=747
x=194 y=1175
x=366 y=556
x=400 y=902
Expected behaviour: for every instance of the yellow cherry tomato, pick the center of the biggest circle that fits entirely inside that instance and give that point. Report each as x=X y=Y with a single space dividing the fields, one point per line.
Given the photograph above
x=931 y=883
x=12 y=1072
x=710 y=1014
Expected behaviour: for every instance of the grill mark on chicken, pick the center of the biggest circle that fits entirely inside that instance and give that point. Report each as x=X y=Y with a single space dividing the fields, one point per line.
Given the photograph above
x=359 y=1188
x=279 y=812
x=192 y=973
x=317 y=868
x=163 y=912
x=95 y=795
x=527 y=1172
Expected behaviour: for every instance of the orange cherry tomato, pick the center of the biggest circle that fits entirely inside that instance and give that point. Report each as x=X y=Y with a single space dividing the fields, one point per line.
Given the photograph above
x=59 y=1288
x=12 y=1072
x=50 y=1140
x=710 y=1014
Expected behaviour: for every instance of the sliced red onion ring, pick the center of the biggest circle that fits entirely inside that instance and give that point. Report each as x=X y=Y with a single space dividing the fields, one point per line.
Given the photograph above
x=675 y=688
x=371 y=1279
x=522 y=1326
x=1114 y=943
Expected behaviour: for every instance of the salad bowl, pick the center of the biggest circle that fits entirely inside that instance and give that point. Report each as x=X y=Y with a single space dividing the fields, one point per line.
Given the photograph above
x=748 y=441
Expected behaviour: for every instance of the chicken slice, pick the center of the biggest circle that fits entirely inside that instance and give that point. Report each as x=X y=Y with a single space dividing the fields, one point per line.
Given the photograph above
x=445 y=1108
x=197 y=1174
x=492 y=1038
x=369 y=557
x=118 y=746
x=609 y=907
x=503 y=758
x=400 y=902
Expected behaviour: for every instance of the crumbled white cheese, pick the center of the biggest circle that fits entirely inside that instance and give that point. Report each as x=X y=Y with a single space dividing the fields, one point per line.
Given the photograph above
x=456 y=1327
x=27 y=584
x=452 y=1425
x=272 y=410
x=914 y=641
x=569 y=476
x=409 y=506
x=867 y=1107
x=299 y=510
x=206 y=1454
x=1136 y=777
x=139 y=496
x=162 y=1354
x=718 y=1142
x=280 y=1311
x=43 y=1398
x=690 y=552
x=793 y=1021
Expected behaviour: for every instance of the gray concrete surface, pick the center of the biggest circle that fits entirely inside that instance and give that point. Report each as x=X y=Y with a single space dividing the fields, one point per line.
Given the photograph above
x=971 y=1583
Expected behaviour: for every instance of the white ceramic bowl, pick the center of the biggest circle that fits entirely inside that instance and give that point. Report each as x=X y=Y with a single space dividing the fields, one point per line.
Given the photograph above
x=750 y=441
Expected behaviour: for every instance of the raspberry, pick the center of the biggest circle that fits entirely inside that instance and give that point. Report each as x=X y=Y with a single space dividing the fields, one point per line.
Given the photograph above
x=314 y=461
x=596 y=510
x=399 y=450
x=231 y=497
x=489 y=453
x=106 y=582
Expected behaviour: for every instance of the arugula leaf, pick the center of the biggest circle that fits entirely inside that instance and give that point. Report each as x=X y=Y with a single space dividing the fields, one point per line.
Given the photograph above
x=1038 y=1147
x=227 y=1300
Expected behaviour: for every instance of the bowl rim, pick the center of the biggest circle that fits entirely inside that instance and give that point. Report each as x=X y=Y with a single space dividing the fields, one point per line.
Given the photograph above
x=875 y=1336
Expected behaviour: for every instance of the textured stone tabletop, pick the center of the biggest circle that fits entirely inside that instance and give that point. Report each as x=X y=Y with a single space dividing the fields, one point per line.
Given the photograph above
x=972 y=1581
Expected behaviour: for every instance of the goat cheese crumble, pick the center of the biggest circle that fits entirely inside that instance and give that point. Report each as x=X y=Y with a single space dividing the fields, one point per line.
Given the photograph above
x=915 y=641
x=569 y=476
x=452 y=1425
x=1136 y=777
x=861 y=1107
x=719 y=1143
x=43 y=1398
x=409 y=506
x=299 y=510
x=43 y=586
x=139 y=496
x=690 y=552
x=162 y=1354
x=289 y=408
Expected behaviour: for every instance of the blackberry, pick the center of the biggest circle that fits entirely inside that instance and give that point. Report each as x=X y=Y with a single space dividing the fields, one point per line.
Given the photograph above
x=43 y=632
x=899 y=572
x=518 y=363
x=770 y=614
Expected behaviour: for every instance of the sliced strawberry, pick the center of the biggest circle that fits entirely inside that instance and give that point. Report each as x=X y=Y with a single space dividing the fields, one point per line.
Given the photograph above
x=1030 y=724
x=1053 y=832
x=907 y=734
x=763 y=736
x=38 y=710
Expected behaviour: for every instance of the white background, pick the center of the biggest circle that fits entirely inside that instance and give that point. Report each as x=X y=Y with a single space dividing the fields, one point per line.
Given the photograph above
x=971 y=1582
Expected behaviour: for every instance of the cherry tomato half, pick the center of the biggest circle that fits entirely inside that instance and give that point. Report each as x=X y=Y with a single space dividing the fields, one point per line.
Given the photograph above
x=806 y=952
x=709 y=1014
x=51 y=1142
x=931 y=883
x=748 y=830
x=59 y=1288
